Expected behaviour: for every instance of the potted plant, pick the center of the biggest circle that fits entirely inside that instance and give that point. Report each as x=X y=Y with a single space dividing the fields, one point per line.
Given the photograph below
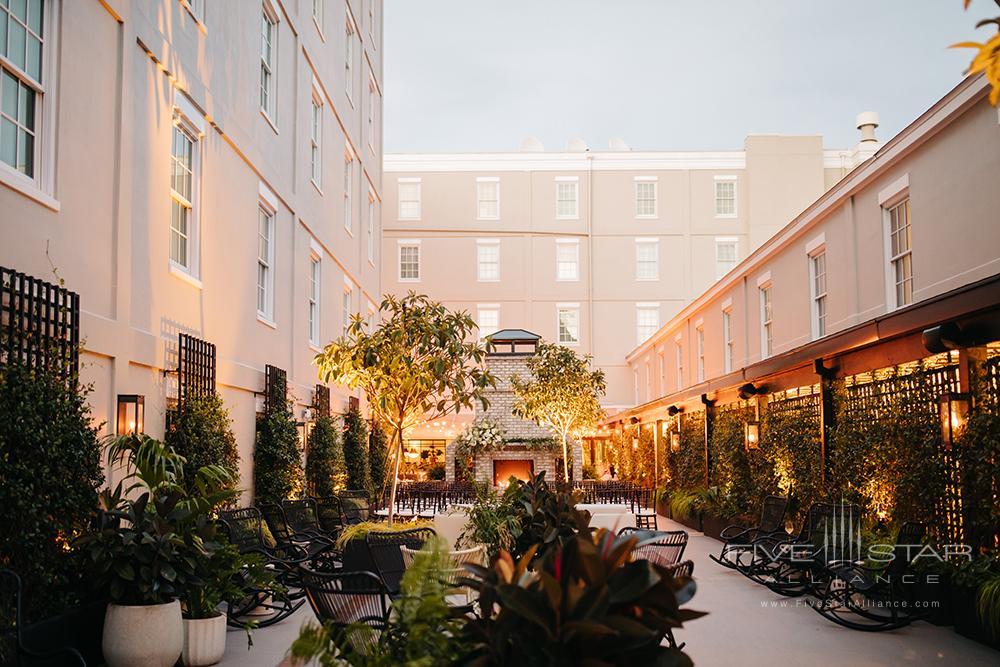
x=352 y=541
x=145 y=553
x=975 y=600
x=684 y=508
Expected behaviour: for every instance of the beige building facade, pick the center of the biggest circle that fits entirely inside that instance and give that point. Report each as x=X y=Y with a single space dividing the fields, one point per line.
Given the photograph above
x=208 y=168
x=592 y=249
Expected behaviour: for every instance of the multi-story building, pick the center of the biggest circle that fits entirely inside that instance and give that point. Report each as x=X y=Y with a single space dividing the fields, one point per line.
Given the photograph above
x=593 y=249
x=207 y=168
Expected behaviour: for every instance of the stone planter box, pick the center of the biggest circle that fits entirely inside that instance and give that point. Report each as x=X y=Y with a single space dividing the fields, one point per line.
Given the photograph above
x=966 y=617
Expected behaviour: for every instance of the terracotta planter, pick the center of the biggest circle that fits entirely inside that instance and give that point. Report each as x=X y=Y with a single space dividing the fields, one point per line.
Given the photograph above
x=204 y=641
x=148 y=635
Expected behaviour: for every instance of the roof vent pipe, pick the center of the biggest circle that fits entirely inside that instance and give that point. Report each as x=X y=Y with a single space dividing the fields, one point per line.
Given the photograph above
x=866 y=122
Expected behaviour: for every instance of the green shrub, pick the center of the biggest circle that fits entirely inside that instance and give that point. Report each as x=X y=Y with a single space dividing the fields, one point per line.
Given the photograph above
x=590 y=471
x=790 y=439
x=730 y=467
x=356 y=450
x=325 y=472
x=436 y=472
x=546 y=518
x=49 y=474
x=277 y=459
x=686 y=467
x=202 y=434
x=378 y=461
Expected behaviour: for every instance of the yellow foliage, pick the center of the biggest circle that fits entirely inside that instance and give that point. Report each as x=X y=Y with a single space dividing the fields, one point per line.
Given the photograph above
x=987 y=59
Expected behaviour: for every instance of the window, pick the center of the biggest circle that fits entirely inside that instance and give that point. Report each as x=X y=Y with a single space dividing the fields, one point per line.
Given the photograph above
x=314 y=299
x=349 y=62
x=183 y=185
x=268 y=46
x=679 y=361
x=567 y=198
x=647 y=321
x=649 y=382
x=727 y=340
x=900 y=254
x=409 y=262
x=316 y=142
x=725 y=197
x=265 y=263
x=488 y=198
x=488 y=319
x=567 y=260
x=371 y=21
x=318 y=13
x=661 y=363
x=635 y=384
x=372 y=97
x=645 y=198
x=766 y=332
x=725 y=256
x=817 y=283
x=699 y=338
x=409 y=198
x=488 y=261
x=647 y=259
x=569 y=324
x=372 y=205
x=20 y=89
x=345 y=309
x=348 y=191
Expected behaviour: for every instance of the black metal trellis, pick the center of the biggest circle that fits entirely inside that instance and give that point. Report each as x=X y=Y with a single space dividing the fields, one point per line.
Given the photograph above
x=322 y=401
x=195 y=368
x=275 y=388
x=39 y=323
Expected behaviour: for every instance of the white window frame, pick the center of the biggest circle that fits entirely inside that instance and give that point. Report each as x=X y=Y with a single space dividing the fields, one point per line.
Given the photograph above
x=765 y=296
x=571 y=184
x=481 y=183
x=266 y=212
x=315 y=298
x=718 y=180
x=649 y=381
x=487 y=308
x=721 y=241
x=371 y=23
x=316 y=139
x=661 y=361
x=187 y=121
x=346 y=306
x=269 y=88
x=643 y=332
x=728 y=342
x=572 y=309
x=638 y=185
x=679 y=362
x=414 y=210
x=818 y=293
x=647 y=243
x=318 y=14
x=349 y=193
x=349 y=58
x=573 y=246
x=372 y=222
x=699 y=338
x=372 y=96
x=635 y=385
x=481 y=246
x=895 y=263
x=408 y=243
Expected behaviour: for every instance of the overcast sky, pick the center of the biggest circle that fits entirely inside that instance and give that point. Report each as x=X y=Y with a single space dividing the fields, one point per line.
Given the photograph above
x=478 y=75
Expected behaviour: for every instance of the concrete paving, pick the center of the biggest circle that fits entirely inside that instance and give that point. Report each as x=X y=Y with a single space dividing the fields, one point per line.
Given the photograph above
x=747 y=625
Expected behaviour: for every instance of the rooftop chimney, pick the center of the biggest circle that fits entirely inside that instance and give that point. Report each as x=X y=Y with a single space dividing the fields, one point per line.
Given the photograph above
x=531 y=145
x=867 y=121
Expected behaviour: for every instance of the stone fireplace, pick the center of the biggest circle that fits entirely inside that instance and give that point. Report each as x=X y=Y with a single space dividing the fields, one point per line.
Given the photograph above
x=512 y=349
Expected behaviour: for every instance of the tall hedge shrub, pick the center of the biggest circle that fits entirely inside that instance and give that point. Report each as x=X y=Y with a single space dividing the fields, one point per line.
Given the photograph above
x=50 y=470
x=325 y=472
x=277 y=460
x=687 y=465
x=378 y=461
x=791 y=443
x=202 y=433
x=356 y=450
x=730 y=463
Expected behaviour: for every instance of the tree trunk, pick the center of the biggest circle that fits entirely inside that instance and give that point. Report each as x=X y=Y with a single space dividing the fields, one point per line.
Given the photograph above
x=397 y=438
x=566 y=463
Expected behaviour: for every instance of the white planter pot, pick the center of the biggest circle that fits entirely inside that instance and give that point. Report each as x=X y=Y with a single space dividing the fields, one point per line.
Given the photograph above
x=204 y=641
x=149 y=635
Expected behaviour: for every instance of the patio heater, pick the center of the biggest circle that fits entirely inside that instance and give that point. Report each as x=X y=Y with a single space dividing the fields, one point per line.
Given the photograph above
x=131 y=414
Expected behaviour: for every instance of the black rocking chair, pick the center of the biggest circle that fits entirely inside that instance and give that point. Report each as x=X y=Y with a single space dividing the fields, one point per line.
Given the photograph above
x=13 y=650
x=302 y=517
x=663 y=547
x=685 y=570
x=344 y=599
x=739 y=538
x=384 y=548
x=872 y=598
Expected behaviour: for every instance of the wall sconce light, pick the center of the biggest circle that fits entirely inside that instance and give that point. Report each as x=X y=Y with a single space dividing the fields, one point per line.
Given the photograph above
x=674 y=410
x=675 y=441
x=131 y=414
x=751 y=435
x=635 y=443
x=954 y=413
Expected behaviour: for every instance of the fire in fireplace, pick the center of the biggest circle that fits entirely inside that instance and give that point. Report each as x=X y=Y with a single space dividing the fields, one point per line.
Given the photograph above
x=503 y=470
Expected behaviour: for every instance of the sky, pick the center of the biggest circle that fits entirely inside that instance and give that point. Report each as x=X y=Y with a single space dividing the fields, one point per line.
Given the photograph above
x=478 y=75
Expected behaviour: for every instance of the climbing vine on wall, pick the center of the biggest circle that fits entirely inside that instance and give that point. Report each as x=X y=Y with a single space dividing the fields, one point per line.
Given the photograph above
x=790 y=444
x=730 y=465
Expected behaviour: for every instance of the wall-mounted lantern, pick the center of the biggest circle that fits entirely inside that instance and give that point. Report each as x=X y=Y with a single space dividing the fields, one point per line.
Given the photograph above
x=635 y=443
x=675 y=441
x=751 y=435
x=954 y=413
x=131 y=414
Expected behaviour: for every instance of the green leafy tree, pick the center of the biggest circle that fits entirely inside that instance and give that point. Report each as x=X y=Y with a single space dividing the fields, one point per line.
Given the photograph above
x=325 y=467
x=378 y=461
x=987 y=58
x=563 y=394
x=356 y=450
x=202 y=434
x=277 y=459
x=422 y=362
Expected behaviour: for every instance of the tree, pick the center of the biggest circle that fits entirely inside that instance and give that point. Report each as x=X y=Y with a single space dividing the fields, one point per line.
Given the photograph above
x=202 y=434
x=378 y=452
x=562 y=394
x=987 y=58
x=277 y=459
x=356 y=450
x=324 y=458
x=422 y=362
